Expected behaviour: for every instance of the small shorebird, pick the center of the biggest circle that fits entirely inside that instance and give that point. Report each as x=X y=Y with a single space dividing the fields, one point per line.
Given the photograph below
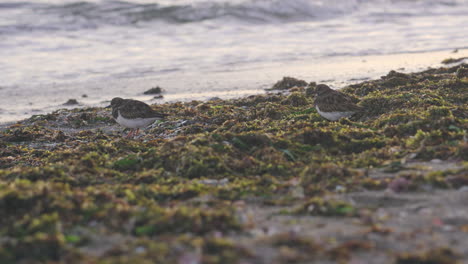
x=133 y=114
x=332 y=104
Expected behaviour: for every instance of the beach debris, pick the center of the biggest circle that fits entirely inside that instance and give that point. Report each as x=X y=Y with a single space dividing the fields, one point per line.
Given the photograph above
x=399 y=184
x=439 y=256
x=288 y=83
x=71 y=102
x=154 y=90
x=453 y=60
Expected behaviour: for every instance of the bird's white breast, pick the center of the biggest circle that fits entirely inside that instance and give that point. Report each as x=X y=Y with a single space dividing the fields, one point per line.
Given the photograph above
x=333 y=116
x=136 y=122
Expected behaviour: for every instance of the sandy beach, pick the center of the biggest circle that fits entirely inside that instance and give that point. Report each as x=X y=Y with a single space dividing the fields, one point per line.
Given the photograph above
x=258 y=179
x=338 y=72
x=240 y=162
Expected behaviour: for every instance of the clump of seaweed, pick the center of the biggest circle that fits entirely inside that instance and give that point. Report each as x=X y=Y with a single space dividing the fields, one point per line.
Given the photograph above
x=452 y=60
x=288 y=83
x=293 y=248
x=71 y=102
x=154 y=90
x=219 y=250
x=326 y=207
x=343 y=252
x=439 y=256
x=317 y=179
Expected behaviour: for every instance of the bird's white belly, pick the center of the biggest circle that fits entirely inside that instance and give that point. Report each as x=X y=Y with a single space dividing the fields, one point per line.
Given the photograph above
x=333 y=116
x=135 y=123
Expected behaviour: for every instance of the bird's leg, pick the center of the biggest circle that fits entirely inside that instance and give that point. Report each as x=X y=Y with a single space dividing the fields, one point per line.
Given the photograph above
x=129 y=133
x=137 y=131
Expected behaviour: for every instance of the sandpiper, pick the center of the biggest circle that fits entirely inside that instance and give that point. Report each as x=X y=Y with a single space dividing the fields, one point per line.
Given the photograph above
x=332 y=104
x=133 y=114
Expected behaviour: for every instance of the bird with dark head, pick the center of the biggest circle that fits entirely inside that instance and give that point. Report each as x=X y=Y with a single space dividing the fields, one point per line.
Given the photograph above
x=133 y=114
x=116 y=102
x=332 y=104
x=323 y=89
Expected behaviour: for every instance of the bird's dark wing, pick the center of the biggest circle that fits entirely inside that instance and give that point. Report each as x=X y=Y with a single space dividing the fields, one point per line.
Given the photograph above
x=137 y=109
x=336 y=102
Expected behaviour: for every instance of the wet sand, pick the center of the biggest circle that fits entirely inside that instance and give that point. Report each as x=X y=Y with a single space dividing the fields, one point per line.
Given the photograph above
x=240 y=81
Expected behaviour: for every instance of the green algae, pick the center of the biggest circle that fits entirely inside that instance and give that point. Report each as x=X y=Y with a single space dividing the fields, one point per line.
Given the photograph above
x=439 y=256
x=452 y=60
x=343 y=253
x=293 y=248
x=326 y=177
x=218 y=250
x=326 y=207
x=263 y=148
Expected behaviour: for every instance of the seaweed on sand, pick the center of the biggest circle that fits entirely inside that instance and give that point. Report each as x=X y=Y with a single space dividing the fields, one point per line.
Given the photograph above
x=58 y=186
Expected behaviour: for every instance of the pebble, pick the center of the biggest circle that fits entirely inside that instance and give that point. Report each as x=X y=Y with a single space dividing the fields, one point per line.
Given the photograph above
x=215 y=182
x=140 y=250
x=71 y=102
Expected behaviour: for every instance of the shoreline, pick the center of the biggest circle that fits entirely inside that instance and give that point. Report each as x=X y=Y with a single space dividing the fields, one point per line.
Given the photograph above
x=338 y=72
x=258 y=179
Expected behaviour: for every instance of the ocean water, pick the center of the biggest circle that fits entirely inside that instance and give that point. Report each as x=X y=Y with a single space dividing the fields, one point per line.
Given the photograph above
x=51 y=51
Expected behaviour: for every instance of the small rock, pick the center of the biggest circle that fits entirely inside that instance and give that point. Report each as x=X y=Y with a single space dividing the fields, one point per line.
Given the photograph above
x=71 y=102
x=340 y=188
x=214 y=98
x=399 y=184
x=448 y=228
x=214 y=182
x=298 y=192
x=288 y=83
x=158 y=97
x=140 y=250
x=84 y=96
x=154 y=90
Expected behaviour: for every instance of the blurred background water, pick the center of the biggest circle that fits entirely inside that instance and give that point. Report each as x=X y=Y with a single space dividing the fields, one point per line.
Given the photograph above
x=51 y=51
